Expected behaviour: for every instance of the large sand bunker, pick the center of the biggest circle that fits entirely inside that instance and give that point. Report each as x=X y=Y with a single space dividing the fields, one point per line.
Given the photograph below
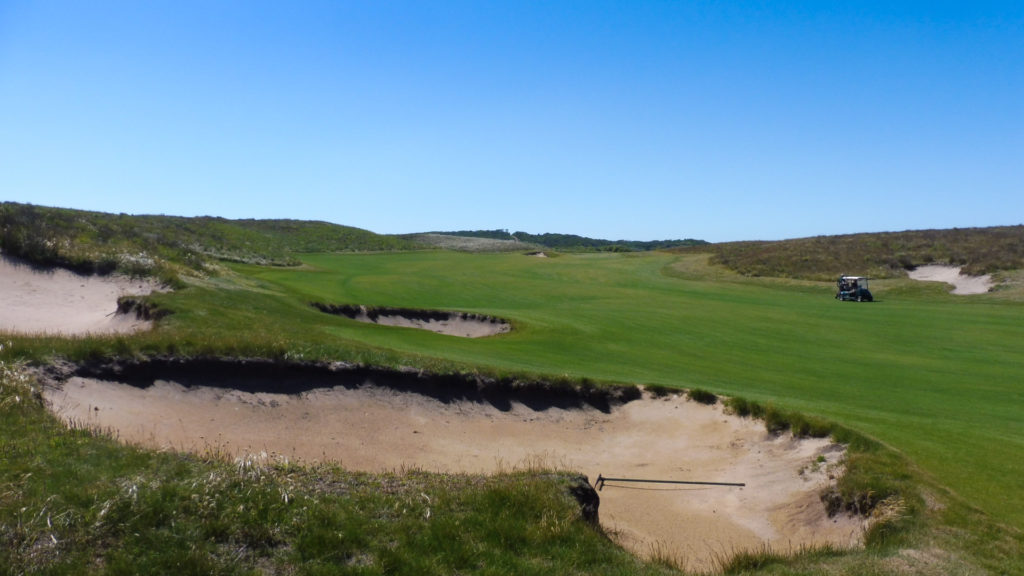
x=61 y=302
x=962 y=283
x=366 y=426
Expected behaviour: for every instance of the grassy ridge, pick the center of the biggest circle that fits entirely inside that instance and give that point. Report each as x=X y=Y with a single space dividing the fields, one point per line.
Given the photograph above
x=880 y=255
x=95 y=242
x=572 y=242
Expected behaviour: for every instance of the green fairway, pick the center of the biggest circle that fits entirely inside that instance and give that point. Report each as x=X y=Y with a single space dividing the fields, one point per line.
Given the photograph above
x=937 y=377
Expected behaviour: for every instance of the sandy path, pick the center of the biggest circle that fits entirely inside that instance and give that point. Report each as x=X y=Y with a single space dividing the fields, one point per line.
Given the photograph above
x=962 y=284
x=375 y=429
x=59 y=301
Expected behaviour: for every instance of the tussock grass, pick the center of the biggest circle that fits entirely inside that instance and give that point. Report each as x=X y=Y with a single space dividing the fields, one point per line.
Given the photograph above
x=777 y=420
x=876 y=482
x=702 y=396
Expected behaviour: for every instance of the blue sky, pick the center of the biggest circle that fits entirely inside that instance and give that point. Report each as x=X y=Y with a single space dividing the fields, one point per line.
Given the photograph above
x=621 y=120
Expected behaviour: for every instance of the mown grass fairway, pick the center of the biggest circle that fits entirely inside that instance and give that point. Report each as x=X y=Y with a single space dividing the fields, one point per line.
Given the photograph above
x=933 y=375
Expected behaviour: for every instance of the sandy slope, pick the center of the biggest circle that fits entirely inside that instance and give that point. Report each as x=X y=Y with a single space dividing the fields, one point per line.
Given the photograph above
x=374 y=429
x=59 y=301
x=962 y=284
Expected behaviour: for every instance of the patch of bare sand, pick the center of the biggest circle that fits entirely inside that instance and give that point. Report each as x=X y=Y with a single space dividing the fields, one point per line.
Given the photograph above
x=962 y=284
x=377 y=429
x=455 y=325
x=61 y=302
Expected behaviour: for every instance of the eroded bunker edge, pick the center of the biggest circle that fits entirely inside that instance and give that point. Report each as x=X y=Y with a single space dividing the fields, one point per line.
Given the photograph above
x=424 y=319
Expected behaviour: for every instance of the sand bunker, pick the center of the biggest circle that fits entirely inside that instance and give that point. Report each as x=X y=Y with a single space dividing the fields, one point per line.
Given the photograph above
x=462 y=324
x=962 y=284
x=62 y=302
x=375 y=428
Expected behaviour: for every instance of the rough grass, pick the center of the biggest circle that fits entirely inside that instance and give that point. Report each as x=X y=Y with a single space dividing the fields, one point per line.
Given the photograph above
x=95 y=242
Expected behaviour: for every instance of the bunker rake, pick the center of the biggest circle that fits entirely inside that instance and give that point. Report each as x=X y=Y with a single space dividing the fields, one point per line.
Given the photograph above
x=599 y=484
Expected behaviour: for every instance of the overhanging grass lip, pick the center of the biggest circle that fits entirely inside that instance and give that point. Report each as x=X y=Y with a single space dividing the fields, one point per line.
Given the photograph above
x=449 y=322
x=282 y=376
x=859 y=493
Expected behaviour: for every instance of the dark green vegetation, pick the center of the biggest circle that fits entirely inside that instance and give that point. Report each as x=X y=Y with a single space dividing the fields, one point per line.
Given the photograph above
x=882 y=255
x=925 y=386
x=574 y=243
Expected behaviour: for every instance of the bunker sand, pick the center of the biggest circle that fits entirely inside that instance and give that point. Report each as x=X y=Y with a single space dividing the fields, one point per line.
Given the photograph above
x=962 y=284
x=61 y=302
x=375 y=428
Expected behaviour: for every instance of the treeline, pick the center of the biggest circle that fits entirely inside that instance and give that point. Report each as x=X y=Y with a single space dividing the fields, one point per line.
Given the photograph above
x=492 y=234
x=96 y=242
x=572 y=242
x=879 y=255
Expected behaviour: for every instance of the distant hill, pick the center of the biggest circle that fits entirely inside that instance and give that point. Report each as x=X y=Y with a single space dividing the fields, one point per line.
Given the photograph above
x=96 y=242
x=469 y=243
x=880 y=255
x=572 y=242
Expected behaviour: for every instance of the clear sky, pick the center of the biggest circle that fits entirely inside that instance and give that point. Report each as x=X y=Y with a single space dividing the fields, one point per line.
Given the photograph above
x=619 y=120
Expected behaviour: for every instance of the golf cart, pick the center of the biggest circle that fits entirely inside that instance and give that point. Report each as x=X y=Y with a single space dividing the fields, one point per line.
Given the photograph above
x=853 y=288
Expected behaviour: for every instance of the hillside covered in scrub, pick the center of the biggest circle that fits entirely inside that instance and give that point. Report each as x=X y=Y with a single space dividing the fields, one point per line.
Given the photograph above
x=165 y=246
x=96 y=242
x=879 y=255
x=572 y=242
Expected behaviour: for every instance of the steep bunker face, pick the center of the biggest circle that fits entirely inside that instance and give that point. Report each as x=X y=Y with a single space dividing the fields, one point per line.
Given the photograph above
x=465 y=325
x=57 y=301
x=383 y=421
